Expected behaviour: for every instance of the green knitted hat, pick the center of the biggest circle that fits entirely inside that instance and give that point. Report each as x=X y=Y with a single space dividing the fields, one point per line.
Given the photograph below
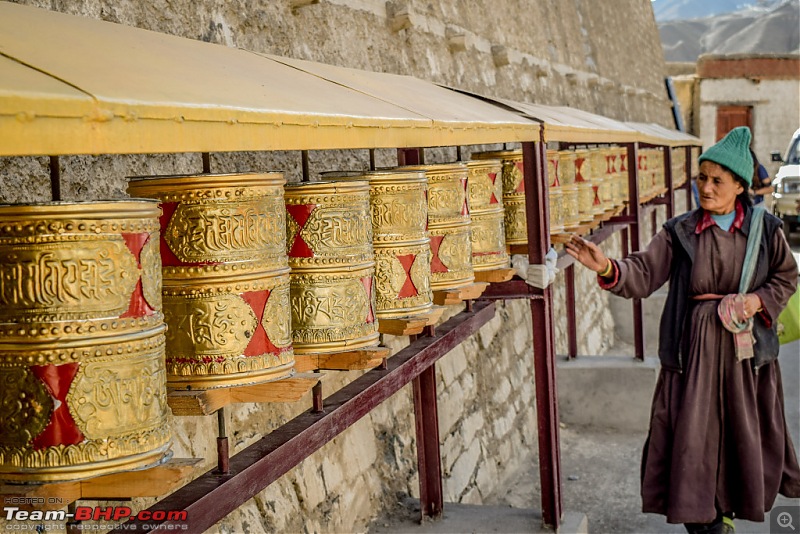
x=733 y=151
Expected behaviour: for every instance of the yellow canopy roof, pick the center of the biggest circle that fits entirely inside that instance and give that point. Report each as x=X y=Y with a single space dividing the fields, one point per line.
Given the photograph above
x=674 y=137
x=74 y=85
x=571 y=125
x=451 y=111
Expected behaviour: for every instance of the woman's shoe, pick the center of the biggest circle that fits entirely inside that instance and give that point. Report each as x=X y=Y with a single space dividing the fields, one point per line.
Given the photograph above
x=727 y=525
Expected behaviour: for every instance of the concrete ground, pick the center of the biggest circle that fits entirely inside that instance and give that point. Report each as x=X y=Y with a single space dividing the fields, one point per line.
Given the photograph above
x=600 y=469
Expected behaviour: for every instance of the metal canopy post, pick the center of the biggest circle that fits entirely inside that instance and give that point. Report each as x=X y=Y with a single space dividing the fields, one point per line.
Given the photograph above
x=429 y=460
x=668 y=180
x=572 y=323
x=635 y=240
x=410 y=156
x=537 y=217
x=688 y=170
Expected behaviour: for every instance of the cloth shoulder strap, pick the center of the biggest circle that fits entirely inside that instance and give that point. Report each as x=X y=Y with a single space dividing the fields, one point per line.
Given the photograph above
x=751 y=253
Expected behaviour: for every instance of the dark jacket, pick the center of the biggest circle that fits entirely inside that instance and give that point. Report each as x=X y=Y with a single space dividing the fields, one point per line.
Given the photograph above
x=673 y=344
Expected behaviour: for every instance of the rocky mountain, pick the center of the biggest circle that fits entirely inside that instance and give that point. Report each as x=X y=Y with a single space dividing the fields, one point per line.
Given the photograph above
x=666 y=10
x=763 y=28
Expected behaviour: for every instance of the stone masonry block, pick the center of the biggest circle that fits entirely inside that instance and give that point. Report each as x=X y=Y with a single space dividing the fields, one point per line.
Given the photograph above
x=488 y=332
x=452 y=365
x=332 y=475
x=472 y=496
x=472 y=424
x=502 y=391
x=463 y=470
x=451 y=449
x=502 y=426
x=311 y=484
x=451 y=406
x=360 y=447
x=486 y=478
x=522 y=340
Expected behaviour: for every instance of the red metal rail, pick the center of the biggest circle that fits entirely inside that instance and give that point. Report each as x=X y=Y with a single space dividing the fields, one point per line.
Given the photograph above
x=212 y=496
x=537 y=213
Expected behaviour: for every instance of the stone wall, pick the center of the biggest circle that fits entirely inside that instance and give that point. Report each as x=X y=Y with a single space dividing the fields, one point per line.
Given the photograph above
x=604 y=57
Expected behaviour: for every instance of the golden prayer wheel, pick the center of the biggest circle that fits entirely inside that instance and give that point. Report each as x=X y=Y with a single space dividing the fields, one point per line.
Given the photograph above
x=597 y=163
x=660 y=179
x=488 y=240
x=611 y=160
x=556 y=210
x=399 y=212
x=645 y=182
x=607 y=194
x=619 y=190
x=583 y=166
x=566 y=167
x=619 y=178
x=448 y=225
x=485 y=194
x=485 y=185
x=599 y=190
x=552 y=168
x=586 y=196
x=570 y=195
x=514 y=221
x=329 y=238
x=226 y=277
x=623 y=169
x=81 y=340
x=678 y=166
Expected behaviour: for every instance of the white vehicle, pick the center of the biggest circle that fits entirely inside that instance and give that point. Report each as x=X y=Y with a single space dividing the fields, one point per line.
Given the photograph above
x=786 y=203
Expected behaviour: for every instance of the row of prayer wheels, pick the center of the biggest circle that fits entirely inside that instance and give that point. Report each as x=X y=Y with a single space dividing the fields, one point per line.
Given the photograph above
x=583 y=184
x=652 y=179
x=678 y=166
x=210 y=281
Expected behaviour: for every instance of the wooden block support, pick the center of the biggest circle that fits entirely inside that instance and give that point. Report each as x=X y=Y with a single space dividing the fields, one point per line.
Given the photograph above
x=351 y=360
x=208 y=401
x=409 y=326
x=154 y=482
x=495 y=275
x=448 y=297
x=560 y=238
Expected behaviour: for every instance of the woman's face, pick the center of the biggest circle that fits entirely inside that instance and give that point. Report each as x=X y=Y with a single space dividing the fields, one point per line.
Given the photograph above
x=718 y=188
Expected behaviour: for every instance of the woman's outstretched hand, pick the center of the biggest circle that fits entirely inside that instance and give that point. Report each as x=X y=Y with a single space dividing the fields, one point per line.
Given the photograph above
x=587 y=253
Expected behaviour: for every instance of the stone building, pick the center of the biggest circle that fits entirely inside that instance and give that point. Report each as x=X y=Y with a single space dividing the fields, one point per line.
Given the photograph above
x=755 y=90
x=759 y=91
x=603 y=57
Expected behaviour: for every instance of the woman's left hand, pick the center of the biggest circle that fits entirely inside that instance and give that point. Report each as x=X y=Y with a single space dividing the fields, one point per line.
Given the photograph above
x=752 y=305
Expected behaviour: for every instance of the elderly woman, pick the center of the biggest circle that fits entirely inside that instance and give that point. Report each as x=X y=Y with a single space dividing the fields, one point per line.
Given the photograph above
x=718 y=445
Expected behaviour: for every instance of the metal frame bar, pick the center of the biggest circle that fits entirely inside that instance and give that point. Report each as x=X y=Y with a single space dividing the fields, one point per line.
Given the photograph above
x=689 y=177
x=572 y=321
x=669 y=183
x=635 y=241
x=212 y=496
x=429 y=460
x=410 y=156
x=538 y=225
